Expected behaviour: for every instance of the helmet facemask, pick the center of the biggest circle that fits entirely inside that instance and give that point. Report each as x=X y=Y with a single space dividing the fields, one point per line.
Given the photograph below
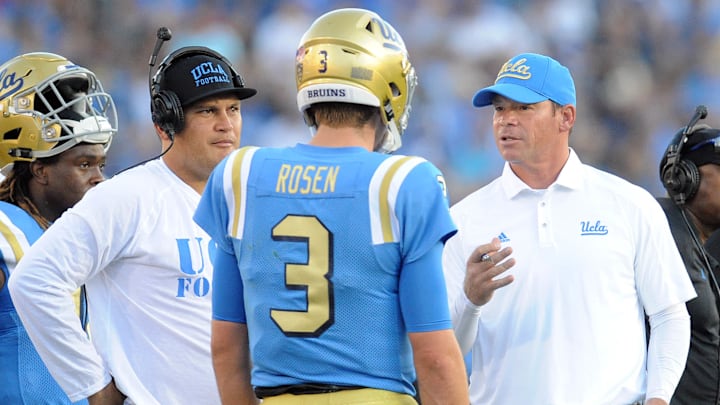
x=74 y=104
x=58 y=106
x=395 y=128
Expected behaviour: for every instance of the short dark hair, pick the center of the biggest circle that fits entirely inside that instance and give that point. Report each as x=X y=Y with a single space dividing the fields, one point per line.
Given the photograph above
x=344 y=114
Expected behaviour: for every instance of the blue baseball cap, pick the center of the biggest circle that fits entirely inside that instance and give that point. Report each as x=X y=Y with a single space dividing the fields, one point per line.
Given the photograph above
x=530 y=78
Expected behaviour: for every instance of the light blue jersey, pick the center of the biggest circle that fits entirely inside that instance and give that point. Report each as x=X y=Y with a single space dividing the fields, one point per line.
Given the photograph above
x=321 y=237
x=24 y=378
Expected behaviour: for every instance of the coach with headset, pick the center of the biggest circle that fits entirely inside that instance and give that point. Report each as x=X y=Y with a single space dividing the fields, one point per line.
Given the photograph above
x=146 y=264
x=690 y=172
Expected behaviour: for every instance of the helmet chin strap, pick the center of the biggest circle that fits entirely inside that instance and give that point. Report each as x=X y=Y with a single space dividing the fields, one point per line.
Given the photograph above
x=381 y=136
x=391 y=141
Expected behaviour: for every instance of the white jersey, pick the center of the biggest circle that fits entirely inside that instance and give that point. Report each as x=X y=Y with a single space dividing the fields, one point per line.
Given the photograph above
x=147 y=268
x=593 y=252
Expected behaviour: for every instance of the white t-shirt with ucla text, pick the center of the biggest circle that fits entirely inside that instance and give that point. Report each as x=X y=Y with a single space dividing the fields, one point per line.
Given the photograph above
x=148 y=272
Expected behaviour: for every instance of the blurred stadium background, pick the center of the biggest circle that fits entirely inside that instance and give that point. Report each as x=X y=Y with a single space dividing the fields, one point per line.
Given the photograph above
x=640 y=67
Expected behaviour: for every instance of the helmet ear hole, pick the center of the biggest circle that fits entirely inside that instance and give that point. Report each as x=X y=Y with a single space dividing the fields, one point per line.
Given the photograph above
x=395 y=90
x=12 y=135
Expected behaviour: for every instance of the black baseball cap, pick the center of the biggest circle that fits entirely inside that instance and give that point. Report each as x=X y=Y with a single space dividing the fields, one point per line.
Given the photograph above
x=199 y=75
x=703 y=146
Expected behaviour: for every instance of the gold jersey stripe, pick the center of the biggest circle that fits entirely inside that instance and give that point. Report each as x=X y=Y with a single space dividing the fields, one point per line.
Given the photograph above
x=18 y=253
x=12 y=240
x=238 y=186
x=385 y=219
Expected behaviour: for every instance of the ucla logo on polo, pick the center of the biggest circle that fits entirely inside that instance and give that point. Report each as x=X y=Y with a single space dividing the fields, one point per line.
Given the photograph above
x=208 y=73
x=588 y=228
x=516 y=70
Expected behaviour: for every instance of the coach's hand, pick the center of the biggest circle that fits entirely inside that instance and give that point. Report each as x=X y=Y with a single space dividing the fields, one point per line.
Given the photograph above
x=483 y=266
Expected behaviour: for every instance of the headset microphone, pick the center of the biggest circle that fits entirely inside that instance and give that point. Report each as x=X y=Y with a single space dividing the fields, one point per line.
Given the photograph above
x=700 y=113
x=163 y=34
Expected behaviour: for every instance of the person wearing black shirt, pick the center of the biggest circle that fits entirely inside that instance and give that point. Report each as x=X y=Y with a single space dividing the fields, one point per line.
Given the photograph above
x=690 y=172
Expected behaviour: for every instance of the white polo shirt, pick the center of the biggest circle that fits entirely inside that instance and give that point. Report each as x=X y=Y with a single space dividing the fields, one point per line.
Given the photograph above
x=592 y=250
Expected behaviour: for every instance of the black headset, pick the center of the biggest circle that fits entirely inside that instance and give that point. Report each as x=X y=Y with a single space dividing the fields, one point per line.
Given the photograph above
x=165 y=105
x=681 y=177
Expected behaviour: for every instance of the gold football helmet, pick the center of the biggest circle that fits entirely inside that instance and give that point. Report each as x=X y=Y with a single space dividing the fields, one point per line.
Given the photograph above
x=353 y=56
x=48 y=105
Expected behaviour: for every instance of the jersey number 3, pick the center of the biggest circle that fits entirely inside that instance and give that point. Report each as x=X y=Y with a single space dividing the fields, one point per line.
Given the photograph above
x=314 y=277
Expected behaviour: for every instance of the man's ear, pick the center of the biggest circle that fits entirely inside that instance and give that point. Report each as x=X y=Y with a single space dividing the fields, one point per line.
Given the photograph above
x=567 y=115
x=39 y=171
x=161 y=133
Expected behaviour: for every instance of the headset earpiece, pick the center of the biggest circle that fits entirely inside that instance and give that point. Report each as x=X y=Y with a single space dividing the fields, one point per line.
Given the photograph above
x=165 y=106
x=681 y=180
x=167 y=112
x=679 y=176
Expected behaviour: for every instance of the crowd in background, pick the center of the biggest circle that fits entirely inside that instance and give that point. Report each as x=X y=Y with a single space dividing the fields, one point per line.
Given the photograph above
x=640 y=68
